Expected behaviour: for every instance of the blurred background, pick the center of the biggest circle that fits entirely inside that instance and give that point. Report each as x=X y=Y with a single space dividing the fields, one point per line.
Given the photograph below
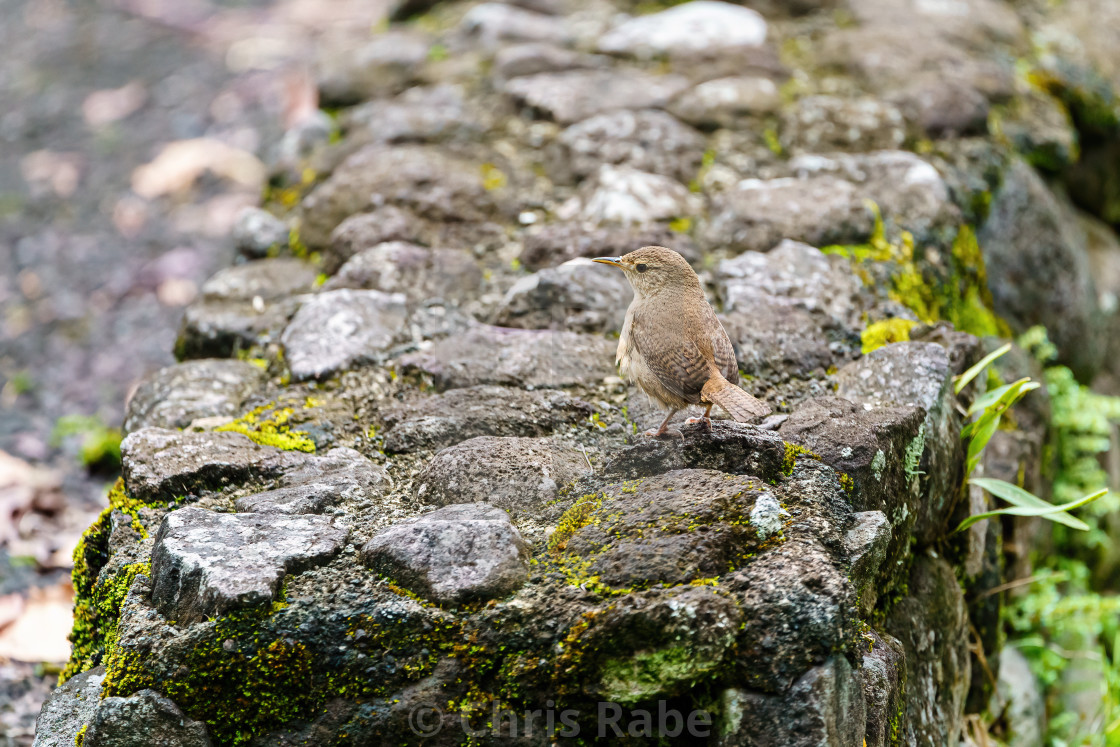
x=131 y=133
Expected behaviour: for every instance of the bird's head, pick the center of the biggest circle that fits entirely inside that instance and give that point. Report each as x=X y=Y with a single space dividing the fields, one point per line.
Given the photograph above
x=653 y=269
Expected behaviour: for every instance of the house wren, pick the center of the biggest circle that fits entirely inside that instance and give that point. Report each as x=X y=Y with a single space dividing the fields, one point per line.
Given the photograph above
x=672 y=345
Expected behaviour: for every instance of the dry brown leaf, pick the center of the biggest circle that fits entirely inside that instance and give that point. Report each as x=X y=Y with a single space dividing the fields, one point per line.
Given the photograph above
x=180 y=163
x=40 y=631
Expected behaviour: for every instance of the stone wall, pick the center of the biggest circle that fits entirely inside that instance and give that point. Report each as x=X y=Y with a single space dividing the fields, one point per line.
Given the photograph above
x=399 y=499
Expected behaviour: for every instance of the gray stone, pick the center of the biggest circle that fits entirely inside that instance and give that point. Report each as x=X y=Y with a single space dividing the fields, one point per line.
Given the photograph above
x=1038 y=268
x=519 y=475
x=775 y=341
x=68 y=709
x=793 y=274
x=363 y=231
x=417 y=272
x=943 y=107
x=175 y=396
x=884 y=689
x=435 y=422
x=867 y=543
x=340 y=329
x=257 y=231
x=317 y=482
x=420 y=114
x=531 y=59
x=146 y=719
x=646 y=140
x=824 y=707
x=701 y=28
x=556 y=243
x=493 y=23
x=916 y=374
x=572 y=96
x=384 y=65
x=620 y=195
x=243 y=306
x=931 y=622
x=757 y=214
x=165 y=464
x=1019 y=701
x=724 y=101
x=460 y=553
x=732 y=447
x=422 y=179
x=513 y=357
x=818 y=124
x=577 y=296
x=205 y=564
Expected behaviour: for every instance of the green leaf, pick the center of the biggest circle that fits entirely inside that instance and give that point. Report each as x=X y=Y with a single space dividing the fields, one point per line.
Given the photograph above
x=1046 y=513
x=1016 y=496
x=992 y=396
x=982 y=433
x=964 y=379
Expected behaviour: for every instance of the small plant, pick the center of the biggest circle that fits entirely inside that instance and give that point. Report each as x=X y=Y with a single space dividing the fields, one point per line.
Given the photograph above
x=988 y=410
x=100 y=444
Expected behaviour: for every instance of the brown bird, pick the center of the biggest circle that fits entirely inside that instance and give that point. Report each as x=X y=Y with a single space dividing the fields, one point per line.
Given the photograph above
x=672 y=345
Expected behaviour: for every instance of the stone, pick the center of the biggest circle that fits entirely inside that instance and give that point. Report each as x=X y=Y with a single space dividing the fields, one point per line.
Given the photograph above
x=317 y=482
x=513 y=357
x=931 y=622
x=700 y=28
x=175 y=396
x=460 y=553
x=944 y=107
x=422 y=179
x=161 y=464
x=884 y=680
x=757 y=214
x=146 y=719
x=417 y=272
x=534 y=58
x=576 y=296
x=867 y=543
x=518 y=475
x=557 y=243
x=435 y=422
x=69 y=708
x=420 y=114
x=620 y=195
x=656 y=647
x=206 y=564
x=493 y=23
x=1018 y=700
x=646 y=140
x=723 y=102
x=796 y=275
x=243 y=306
x=916 y=374
x=340 y=329
x=257 y=231
x=818 y=124
x=363 y=231
x=386 y=64
x=774 y=341
x=575 y=95
x=1038 y=268
x=823 y=707
x=731 y=447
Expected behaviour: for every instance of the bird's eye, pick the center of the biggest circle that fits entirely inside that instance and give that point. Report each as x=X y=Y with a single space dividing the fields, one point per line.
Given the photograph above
x=641 y=268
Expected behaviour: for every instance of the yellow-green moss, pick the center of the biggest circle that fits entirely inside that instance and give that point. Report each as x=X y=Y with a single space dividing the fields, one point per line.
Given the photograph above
x=789 y=460
x=847 y=483
x=884 y=332
x=80 y=737
x=574 y=519
x=273 y=429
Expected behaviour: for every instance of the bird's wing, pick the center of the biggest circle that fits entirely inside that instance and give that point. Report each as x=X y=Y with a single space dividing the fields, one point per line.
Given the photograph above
x=675 y=359
x=724 y=353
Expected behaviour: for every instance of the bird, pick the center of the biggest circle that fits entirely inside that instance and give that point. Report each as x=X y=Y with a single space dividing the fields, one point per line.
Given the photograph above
x=672 y=345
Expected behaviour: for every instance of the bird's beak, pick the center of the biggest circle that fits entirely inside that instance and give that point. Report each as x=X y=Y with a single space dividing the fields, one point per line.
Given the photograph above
x=609 y=261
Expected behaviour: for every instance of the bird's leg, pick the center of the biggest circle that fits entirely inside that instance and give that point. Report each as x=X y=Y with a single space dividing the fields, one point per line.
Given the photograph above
x=705 y=419
x=664 y=428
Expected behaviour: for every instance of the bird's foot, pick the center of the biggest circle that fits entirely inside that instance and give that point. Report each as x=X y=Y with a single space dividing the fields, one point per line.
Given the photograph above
x=664 y=433
x=704 y=421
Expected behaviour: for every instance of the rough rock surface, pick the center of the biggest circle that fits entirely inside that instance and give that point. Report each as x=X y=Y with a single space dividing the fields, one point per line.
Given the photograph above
x=460 y=553
x=417 y=272
x=515 y=474
x=206 y=564
x=175 y=396
x=69 y=708
x=577 y=296
x=315 y=483
x=572 y=96
x=144 y=718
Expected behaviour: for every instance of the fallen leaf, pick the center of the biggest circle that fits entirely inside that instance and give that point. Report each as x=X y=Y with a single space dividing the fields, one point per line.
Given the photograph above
x=180 y=163
x=40 y=631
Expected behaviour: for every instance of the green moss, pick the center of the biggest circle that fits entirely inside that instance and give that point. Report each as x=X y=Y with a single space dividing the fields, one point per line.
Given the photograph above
x=847 y=483
x=574 y=519
x=885 y=332
x=272 y=429
x=100 y=445
x=789 y=461
x=80 y=737
x=641 y=676
x=90 y=556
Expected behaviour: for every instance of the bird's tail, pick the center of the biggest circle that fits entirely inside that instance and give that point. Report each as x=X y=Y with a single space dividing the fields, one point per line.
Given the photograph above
x=739 y=405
